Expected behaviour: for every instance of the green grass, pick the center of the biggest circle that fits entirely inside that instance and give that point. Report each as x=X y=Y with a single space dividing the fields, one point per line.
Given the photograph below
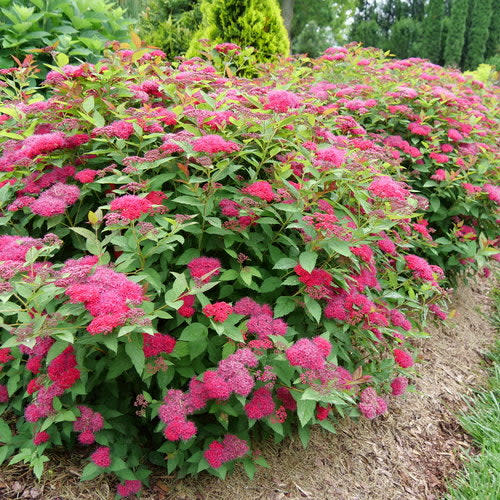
x=481 y=478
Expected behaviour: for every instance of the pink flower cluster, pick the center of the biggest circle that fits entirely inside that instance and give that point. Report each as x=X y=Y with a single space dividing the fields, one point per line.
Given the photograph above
x=157 y=343
x=129 y=487
x=203 y=269
x=173 y=413
x=386 y=187
x=317 y=277
x=101 y=457
x=230 y=448
x=261 y=404
x=213 y=143
x=402 y=358
x=119 y=128
x=87 y=424
x=106 y=294
x=260 y=189
x=310 y=354
x=371 y=404
x=219 y=311
x=282 y=101
x=55 y=200
x=423 y=270
x=131 y=206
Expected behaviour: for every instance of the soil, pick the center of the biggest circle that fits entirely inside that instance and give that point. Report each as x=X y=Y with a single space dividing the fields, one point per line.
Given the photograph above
x=409 y=453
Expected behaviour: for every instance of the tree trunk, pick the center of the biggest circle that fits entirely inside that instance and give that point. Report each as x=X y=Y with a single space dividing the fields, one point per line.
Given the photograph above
x=287 y=13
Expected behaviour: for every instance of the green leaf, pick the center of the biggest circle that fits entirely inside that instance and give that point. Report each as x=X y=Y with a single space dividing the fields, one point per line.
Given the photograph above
x=308 y=260
x=284 y=306
x=285 y=263
x=88 y=104
x=135 y=353
x=304 y=435
x=195 y=332
x=313 y=307
x=62 y=59
x=91 y=471
x=305 y=410
x=5 y=432
x=270 y=284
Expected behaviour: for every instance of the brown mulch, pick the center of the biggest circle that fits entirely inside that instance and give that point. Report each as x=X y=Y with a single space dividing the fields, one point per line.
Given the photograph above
x=408 y=453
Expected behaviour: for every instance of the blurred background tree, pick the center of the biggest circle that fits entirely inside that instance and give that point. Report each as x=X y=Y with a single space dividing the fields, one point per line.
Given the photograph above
x=256 y=23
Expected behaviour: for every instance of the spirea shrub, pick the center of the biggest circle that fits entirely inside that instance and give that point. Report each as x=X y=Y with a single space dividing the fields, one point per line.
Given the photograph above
x=189 y=260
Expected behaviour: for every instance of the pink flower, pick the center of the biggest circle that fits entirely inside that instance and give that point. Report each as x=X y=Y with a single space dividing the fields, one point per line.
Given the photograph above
x=439 y=175
x=329 y=156
x=4 y=394
x=285 y=396
x=260 y=189
x=421 y=268
x=101 y=457
x=439 y=157
x=316 y=277
x=224 y=48
x=130 y=487
x=307 y=354
x=47 y=206
x=385 y=187
x=417 y=128
x=220 y=311
x=402 y=358
x=229 y=208
x=40 y=438
x=157 y=343
x=131 y=206
x=214 y=144
x=322 y=412
x=493 y=192
x=261 y=405
x=398 y=385
x=204 y=268
x=187 y=309
x=399 y=319
x=229 y=449
x=455 y=135
x=156 y=197
x=180 y=429
x=387 y=246
x=371 y=404
x=438 y=311
x=85 y=176
x=119 y=128
x=86 y=437
x=282 y=100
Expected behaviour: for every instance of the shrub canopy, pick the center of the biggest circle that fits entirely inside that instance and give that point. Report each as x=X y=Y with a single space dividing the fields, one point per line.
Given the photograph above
x=190 y=257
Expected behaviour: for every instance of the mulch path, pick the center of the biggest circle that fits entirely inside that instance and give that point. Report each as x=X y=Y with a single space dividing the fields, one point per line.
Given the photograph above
x=409 y=453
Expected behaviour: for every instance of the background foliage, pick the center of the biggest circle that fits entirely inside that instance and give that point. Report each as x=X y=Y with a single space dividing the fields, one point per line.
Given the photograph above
x=79 y=28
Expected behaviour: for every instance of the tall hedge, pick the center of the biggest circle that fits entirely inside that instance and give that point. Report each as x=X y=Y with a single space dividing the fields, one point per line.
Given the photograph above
x=367 y=32
x=256 y=23
x=405 y=34
x=456 y=33
x=431 y=46
x=478 y=34
x=493 y=42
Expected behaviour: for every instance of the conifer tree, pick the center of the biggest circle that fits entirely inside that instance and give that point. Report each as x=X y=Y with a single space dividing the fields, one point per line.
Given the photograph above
x=431 y=46
x=405 y=34
x=256 y=23
x=478 y=35
x=456 y=33
x=367 y=32
x=493 y=43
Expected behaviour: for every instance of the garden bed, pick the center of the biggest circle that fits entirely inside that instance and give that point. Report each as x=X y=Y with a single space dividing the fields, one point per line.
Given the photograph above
x=408 y=453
